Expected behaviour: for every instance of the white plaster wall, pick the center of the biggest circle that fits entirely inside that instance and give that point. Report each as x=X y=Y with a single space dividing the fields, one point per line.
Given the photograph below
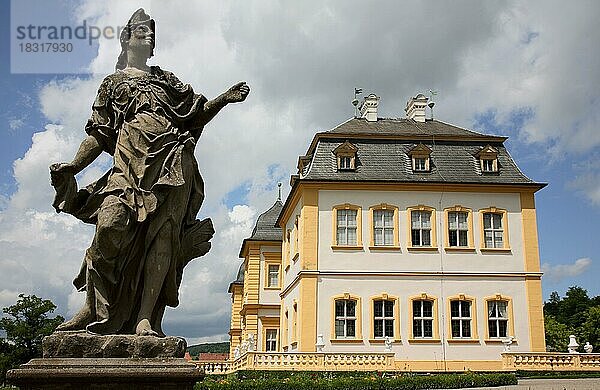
x=405 y=287
x=267 y=296
x=394 y=260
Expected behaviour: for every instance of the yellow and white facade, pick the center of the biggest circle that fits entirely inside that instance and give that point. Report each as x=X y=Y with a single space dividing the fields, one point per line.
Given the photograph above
x=408 y=237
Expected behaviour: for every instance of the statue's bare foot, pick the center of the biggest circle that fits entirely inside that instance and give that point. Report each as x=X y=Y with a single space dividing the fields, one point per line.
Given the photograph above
x=143 y=328
x=79 y=321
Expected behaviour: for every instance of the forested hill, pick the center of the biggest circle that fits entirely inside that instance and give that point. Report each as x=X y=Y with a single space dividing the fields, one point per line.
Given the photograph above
x=209 y=347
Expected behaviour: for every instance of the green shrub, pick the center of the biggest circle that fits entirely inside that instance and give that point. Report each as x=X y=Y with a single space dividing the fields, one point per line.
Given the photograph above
x=376 y=381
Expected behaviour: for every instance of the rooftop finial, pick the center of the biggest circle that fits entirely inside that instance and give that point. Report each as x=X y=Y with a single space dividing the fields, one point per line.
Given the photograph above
x=279 y=196
x=357 y=91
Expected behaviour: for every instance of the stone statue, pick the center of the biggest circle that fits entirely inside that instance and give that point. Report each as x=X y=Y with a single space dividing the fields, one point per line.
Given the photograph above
x=507 y=342
x=145 y=206
x=588 y=348
x=388 y=344
x=573 y=344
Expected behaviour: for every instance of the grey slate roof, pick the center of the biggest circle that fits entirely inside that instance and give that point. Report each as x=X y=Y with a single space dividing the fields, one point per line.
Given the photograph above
x=405 y=127
x=240 y=277
x=265 y=229
x=386 y=158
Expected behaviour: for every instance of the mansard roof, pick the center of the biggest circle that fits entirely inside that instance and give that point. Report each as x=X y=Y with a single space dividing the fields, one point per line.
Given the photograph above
x=384 y=148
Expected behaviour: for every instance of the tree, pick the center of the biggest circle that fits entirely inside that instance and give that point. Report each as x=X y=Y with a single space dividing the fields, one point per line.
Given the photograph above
x=590 y=330
x=557 y=335
x=27 y=323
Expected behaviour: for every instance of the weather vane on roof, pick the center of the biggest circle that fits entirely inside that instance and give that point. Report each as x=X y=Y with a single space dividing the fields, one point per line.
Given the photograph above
x=431 y=103
x=357 y=91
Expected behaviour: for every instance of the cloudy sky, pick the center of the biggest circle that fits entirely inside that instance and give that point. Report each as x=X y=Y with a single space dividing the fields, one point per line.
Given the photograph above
x=527 y=70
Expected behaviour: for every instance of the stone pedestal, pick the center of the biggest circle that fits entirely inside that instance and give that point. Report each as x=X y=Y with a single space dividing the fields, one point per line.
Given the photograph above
x=85 y=345
x=105 y=374
x=82 y=361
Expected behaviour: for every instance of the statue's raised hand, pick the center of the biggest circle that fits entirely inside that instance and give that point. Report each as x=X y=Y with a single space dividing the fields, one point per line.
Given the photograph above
x=237 y=93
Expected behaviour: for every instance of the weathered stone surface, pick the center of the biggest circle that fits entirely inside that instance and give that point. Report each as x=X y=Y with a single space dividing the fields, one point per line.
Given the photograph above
x=105 y=374
x=85 y=345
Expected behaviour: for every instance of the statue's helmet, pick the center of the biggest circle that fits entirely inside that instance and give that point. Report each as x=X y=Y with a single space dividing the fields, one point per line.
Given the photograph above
x=139 y=17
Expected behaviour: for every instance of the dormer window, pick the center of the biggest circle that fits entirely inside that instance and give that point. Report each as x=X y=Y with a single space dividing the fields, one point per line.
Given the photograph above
x=345 y=162
x=488 y=159
x=420 y=156
x=420 y=163
x=346 y=156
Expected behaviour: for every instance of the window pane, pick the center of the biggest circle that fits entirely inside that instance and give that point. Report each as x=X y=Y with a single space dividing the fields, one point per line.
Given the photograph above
x=378 y=308
x=497 y=218
x=502 y=325
x=416 y=222
x=502 y=308
x=341 y=236
x=426 y=238
x=350 y=305
x=389 y=309
x=378 y=236
x=351 y=236
x=489 y=243
x=389 y=236
x=389 y=328
x=388 y=218
x=462 y=220
x=350 y=331
x=455 y=328
x=466 y=328
x=463 y=238
x=498 y=239
x=378 y=328
x=452 y=223
x=487 y=221
x=339 y=328
x=454 y=308
x=351 y=217
x=341 y=217
x=427 y=328
x=465 y=309
x=493 y=328
x=426 y=219
x=427 y=309
x=417 y=329
x=339 y=308
x=416 y=308
x=416 y=237
x=377 y=218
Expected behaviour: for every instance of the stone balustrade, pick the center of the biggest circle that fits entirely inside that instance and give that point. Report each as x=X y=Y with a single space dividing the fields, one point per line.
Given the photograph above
x=550 y=361
x=314 y=361
x=213 y=367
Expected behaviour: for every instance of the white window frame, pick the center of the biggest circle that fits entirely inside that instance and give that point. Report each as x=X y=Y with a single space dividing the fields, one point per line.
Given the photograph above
x=453 y=217
x=342 y=229
x=497 y=318
x=461 y=319
x=345 y=318
x=345 y=162
x=383 y=318
x=271 y=273
x=379 y=224
x=271 y=340
x=420 y=228
x=420 y=164
x=492 y=230
x=421 y=318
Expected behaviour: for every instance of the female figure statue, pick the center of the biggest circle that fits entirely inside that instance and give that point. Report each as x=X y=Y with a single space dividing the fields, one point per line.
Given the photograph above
x=145 y=206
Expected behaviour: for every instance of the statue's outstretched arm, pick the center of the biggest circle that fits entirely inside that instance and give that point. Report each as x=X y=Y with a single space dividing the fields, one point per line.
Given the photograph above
x=235 y=94
x=88 y=151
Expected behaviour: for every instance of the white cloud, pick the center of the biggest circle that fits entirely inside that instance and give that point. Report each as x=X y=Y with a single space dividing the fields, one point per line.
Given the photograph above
x=15 y=123
x=558 y=272
x=302 y=60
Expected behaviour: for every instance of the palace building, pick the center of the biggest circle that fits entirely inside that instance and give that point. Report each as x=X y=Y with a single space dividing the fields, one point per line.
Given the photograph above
x=407 y=237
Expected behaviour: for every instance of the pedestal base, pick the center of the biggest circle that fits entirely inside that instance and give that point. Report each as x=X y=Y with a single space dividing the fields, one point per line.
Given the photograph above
x=105 y=374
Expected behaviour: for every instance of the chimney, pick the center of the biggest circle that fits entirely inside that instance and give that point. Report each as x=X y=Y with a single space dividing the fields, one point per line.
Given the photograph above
x=415 y=107
x=368 y=108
